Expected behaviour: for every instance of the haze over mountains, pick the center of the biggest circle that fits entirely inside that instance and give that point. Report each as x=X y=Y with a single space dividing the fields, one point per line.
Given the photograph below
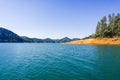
x=9 y=36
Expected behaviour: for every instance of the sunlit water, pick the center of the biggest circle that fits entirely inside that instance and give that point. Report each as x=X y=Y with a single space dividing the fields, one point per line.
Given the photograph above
x=37 y=61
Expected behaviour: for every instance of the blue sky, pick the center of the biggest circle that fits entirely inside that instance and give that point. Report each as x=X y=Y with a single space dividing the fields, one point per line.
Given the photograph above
x=55 y=18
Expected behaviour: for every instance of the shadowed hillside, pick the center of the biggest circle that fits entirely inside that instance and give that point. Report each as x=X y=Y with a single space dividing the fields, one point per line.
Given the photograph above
x=9 y=36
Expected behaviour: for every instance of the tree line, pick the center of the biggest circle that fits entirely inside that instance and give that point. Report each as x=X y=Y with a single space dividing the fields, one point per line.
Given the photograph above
x=108 y=26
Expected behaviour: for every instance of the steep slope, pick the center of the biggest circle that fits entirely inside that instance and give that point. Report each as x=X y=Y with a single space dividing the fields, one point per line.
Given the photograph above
x=9 y=36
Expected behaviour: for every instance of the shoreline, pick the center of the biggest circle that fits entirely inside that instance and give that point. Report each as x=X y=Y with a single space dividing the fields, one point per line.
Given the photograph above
x=108 y=41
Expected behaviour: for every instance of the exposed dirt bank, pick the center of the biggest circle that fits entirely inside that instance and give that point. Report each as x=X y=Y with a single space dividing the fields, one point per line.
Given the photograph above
x=96 y=41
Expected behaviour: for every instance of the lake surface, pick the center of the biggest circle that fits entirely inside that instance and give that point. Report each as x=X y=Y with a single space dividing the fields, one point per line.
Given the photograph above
x=42 y=61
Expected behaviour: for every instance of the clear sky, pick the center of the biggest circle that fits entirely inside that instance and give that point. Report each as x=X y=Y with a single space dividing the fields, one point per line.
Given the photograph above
x=54 y=18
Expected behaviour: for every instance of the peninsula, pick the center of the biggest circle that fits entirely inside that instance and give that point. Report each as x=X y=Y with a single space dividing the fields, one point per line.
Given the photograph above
x=96 y=41
x=107 y=32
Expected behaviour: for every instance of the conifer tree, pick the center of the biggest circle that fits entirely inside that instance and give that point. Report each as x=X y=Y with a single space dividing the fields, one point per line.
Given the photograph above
x=110 y=28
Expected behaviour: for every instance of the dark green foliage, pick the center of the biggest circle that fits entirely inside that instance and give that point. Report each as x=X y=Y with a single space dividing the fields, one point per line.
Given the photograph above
x=108 y=28
x=88 y=37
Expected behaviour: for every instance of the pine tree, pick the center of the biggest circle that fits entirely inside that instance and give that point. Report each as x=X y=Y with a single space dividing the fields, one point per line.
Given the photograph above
x=98 y=28
x=110 y=28
x=103 y=26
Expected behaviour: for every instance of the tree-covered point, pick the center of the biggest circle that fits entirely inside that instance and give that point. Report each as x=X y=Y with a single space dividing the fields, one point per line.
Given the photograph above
x=108 y=27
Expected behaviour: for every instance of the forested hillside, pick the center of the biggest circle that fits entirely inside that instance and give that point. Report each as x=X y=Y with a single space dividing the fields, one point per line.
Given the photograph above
x=108 y=26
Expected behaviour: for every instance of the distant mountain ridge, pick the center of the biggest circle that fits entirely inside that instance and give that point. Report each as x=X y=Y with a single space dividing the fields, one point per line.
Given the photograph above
x=48 y=40
x=9 y=36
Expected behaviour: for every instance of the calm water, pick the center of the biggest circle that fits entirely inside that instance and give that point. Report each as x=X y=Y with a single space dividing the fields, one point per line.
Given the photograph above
x=36 y=61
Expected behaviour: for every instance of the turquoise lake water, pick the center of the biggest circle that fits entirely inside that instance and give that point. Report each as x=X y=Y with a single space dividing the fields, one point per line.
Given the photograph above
x=42 y=61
